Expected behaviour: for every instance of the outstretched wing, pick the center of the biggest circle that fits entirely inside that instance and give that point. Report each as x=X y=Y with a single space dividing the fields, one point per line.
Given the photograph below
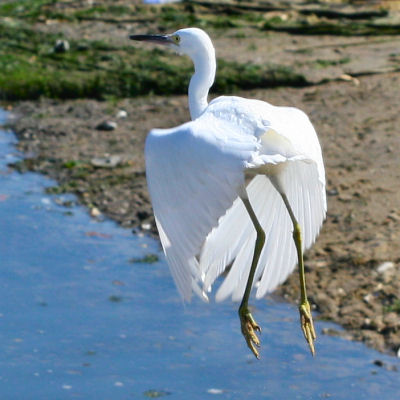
x=194 y=173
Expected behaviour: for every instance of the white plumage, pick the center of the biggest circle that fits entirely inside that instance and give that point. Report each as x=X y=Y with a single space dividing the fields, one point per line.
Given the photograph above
x=197 y=173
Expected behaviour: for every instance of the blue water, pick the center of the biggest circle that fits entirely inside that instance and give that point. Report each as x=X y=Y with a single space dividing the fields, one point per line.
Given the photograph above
x=78 y=320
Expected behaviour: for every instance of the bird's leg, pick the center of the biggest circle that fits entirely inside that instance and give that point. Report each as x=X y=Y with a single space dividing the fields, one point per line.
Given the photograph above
x=248 y=325
x=306 y=320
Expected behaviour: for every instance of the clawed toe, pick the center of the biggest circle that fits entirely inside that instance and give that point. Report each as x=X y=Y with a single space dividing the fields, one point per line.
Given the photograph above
x=249 y=328
x=307 y=325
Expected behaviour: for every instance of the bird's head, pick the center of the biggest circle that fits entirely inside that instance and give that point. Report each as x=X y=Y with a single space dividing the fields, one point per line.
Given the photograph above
x=189 y=41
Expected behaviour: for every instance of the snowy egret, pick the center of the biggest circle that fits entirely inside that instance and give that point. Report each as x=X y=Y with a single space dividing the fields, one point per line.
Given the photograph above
x=208 y=219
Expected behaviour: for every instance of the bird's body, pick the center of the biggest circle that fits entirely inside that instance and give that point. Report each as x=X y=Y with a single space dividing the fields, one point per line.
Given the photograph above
x=234 y=137
x=209 y=217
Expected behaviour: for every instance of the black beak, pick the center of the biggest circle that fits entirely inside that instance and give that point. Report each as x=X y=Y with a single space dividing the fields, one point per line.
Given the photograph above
x=159 y=39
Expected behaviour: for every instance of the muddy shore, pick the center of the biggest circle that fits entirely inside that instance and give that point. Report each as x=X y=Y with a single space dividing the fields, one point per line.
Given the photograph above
x=353 y=269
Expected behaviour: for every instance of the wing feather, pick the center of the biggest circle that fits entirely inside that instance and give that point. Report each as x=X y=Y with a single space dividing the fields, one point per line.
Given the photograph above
x=194 y=174
x=240 y=268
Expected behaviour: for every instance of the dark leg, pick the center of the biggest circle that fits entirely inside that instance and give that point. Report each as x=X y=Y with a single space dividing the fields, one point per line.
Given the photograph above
x=248 y=324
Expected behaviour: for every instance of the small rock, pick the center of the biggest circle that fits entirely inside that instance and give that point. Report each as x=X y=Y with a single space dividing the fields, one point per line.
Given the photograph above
x=95 y=212
x=394 y=216
x=122 y=114
x=349 y=78
x=321 y=264
x=375 y=324
x=355 y=310
x=386 y=271
x=142 y=215
x=332 y=192
x=378 y=363
x=106 y=162
x=107 y=126
x=392 y=321
x=368 y=297
x=61 y=46
x=385 y=266
x=345 y=197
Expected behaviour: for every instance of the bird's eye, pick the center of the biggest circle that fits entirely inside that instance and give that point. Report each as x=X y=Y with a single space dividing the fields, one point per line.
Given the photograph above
x=176 y=39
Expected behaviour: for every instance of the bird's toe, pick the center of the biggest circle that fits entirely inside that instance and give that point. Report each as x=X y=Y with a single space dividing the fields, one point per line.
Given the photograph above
x=307 y=325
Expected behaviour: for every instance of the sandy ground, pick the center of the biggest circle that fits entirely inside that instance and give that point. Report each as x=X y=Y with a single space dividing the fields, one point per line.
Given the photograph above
x=353 y=269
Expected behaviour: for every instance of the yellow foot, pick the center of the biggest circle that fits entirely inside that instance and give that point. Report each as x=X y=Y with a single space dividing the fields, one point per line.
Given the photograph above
x=307 y=325
x=249 y=326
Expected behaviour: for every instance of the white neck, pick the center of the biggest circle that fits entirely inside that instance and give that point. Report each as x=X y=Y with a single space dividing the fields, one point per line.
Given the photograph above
x=201 y=81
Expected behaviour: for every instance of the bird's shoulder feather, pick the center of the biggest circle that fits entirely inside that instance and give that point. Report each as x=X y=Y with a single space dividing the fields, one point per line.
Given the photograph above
x=282 y=132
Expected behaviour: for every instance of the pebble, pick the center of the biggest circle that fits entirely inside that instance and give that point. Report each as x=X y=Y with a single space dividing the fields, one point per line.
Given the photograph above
x=368 y=297
x=345 y=197
x=122 y=114
x=321 y=264
x=392 y=321
x=95 y=212
x=332 y=192
x=385 y=266
x=349 y=78
x=142 y=215
x=394 y=216
x=61 y=46
x=341 y=292
x=106 y=162
x=107 y=126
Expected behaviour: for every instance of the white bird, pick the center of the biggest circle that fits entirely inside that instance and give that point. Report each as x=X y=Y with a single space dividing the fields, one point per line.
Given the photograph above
x=208 y=218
